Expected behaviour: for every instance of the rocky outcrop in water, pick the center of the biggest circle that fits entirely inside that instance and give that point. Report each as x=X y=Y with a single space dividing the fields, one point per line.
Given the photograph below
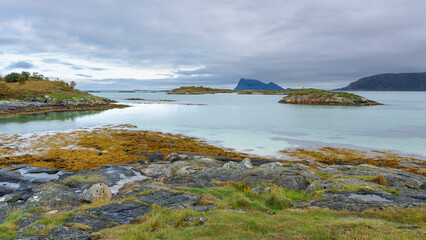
x=321 y=97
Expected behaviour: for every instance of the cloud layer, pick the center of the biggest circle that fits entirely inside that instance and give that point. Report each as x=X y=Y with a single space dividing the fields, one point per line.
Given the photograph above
x=163 y=44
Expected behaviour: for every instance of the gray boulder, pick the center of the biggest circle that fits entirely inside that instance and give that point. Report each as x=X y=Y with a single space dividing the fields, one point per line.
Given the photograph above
x=172 y=200
x=67 y=233
x=121 y=213
x=362 y=200
x=246 y=163
x=94 y=223
x=96 y=192
x=53 y=195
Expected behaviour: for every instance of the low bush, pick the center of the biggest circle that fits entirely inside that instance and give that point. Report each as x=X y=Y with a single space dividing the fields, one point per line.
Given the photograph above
x=4 y=89
x=11 y=77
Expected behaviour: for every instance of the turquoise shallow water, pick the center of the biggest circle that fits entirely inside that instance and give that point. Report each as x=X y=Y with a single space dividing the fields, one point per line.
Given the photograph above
x=255 y=123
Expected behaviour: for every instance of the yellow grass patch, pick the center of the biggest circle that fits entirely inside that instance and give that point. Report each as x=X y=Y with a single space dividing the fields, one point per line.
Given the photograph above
x=82 y=149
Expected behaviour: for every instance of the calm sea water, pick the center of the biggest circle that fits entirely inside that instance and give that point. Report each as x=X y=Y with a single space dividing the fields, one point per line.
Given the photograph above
x=255 y=123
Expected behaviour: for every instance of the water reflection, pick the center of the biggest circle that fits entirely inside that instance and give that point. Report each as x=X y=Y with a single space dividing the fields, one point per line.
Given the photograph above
x=49 y=116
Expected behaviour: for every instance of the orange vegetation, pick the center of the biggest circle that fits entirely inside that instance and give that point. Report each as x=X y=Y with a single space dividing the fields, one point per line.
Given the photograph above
x=331 y=156
x=84 y=149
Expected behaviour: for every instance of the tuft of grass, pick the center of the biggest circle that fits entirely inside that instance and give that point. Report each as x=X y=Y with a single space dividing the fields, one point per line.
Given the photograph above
x=238 y=195
x=50 y=221
x=86 y=179
x=382 y=180
x=8 y=229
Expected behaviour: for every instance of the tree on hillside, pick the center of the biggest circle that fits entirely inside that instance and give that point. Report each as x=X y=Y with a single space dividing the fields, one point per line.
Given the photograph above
x=11 y=77
x=21 y=79
x=26 y=75
x=73 y=84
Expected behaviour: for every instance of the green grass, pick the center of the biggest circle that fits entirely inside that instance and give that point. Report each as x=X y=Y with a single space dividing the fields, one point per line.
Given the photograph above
x=295 y=92
x=85 y=179
x=267 y=215
x=238 y=195
x=50 y=221
x=39 y=88
x=311 y=223
x=8 y=229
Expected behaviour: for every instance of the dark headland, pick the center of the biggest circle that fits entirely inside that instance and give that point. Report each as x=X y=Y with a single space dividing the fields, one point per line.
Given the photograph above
x=389 y=82
x=252 y=84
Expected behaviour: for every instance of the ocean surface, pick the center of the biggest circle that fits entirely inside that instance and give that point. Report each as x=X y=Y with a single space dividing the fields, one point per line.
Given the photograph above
x=255 y=124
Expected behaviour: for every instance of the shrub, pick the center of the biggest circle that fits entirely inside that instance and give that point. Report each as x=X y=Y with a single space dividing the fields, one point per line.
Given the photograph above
x=26 y=75
x=4 y=89
x=73 y=84
x=11 y=77
x=63 y=85
x=22 y=79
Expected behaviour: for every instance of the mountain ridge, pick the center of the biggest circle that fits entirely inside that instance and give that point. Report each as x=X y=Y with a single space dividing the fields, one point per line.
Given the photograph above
x=389 y=82
x=253 y=84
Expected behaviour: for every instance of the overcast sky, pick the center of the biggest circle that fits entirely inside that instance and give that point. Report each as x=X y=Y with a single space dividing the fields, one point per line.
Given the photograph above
x=127 y=44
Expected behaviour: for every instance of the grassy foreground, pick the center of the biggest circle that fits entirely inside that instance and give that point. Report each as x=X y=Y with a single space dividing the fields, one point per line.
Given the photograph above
x=243 y=214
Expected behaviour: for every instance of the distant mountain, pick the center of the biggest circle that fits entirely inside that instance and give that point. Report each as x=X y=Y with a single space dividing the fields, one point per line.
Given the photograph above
x=390 y=82
x=252 y=84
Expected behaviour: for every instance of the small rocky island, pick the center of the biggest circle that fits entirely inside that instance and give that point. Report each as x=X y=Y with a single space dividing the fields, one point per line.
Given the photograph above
x=322 y=97
x=192 y=90
x=25 y=94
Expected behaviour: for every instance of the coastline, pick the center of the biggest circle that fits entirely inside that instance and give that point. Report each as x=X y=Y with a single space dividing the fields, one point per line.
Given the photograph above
x=74 y=183
x=16 y=107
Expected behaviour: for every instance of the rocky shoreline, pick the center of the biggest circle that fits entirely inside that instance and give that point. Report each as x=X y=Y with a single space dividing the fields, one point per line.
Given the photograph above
x=131 y=191
x=35 y=105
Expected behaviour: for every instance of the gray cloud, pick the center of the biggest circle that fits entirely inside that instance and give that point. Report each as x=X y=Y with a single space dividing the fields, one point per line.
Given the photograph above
x=20 y=65
x=83 y=75
x=96 y=69
x=57 y=61
x=293 y=43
